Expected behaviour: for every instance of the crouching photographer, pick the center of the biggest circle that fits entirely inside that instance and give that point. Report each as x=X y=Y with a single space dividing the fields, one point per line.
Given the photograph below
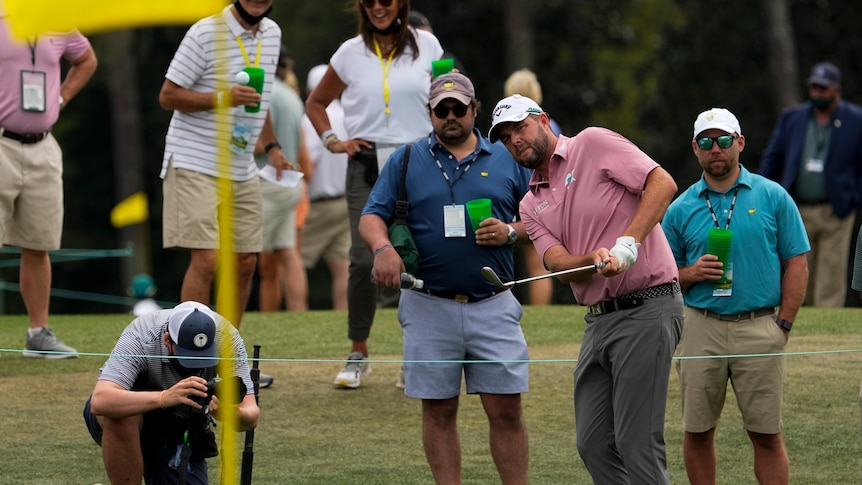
x=152 y=408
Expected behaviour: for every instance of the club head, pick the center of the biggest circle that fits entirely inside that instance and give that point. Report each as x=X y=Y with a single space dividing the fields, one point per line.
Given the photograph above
x=491 y=276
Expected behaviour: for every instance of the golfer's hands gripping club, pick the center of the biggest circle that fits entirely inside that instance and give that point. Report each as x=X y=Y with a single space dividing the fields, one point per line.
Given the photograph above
x=626 y=252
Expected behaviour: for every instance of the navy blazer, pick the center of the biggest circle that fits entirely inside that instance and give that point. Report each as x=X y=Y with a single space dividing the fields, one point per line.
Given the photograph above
x=843 y=169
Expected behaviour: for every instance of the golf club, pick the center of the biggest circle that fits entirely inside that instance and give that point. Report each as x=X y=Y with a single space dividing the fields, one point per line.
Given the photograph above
x=491 y=276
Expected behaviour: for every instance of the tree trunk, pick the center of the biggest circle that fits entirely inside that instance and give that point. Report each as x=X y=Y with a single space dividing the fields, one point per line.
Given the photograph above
x=781 y=51
x=126 y=129
x=519 y=44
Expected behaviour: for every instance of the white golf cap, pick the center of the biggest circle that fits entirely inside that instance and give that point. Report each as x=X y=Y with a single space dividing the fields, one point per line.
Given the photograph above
x=717 y=118
x=192 y=326
x=315 y=74
x=513 y=109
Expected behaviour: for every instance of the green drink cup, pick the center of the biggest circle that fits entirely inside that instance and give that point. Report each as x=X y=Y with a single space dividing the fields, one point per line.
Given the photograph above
x=442 y=66
x=718 y=243
x=255 y=80
x=478 y=210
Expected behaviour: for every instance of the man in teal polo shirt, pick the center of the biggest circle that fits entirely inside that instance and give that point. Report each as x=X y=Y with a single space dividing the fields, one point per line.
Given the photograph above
x=730 y=308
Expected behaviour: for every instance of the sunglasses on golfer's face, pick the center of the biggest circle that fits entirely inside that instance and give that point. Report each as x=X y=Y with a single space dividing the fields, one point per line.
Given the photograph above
x=442 y=112
x=370 y=3
x=724 y=141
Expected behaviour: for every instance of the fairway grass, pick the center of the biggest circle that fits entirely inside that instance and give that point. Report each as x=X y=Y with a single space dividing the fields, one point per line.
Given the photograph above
x=312 y=433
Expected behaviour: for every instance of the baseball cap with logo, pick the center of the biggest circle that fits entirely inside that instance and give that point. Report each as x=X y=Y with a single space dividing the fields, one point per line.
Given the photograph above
x=513 y=109
x=452 y=85
x=192 y=327
x=825 y=74
x=718 y=118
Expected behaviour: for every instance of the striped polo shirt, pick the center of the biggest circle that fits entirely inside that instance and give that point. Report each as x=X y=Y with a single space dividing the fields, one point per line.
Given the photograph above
x=140 y=360
x=207 y=60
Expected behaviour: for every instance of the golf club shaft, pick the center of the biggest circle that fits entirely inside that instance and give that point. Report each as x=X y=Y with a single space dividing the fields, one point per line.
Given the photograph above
x=596 y=267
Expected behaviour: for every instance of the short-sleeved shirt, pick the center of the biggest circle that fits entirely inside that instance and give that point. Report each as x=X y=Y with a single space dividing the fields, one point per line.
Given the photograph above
x=594 y=189
x=140 y=360
x=767 y=229
x=452 y=264
x=207 y=60
x=43 y=56
x=409 y=81
x=330 y=169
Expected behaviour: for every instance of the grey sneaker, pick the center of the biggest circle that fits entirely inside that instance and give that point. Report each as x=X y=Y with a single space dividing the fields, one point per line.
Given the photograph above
x=356 y=367
x=44 y=345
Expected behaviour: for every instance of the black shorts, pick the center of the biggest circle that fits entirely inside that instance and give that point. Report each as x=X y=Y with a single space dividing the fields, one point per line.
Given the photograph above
x=157 y=455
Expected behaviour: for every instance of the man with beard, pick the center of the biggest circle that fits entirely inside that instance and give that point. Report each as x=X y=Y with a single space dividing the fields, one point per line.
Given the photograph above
x=154 y=388
x=816 y=153
x=587 y=193
x=457 y=315
x=730 y=308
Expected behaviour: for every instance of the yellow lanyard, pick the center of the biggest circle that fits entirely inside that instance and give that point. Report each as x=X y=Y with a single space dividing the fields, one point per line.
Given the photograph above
x=385 y=67
x=245 y=54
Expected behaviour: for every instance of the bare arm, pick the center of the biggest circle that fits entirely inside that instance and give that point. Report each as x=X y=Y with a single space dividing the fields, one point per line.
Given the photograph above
x=658 y=193
x=557 y=258
x=112 y=400
x=387 y=263
x=175 y=97
x=793 y=286
x=329 y=88
x=706 y=268
x=81 y=71
x=249 y=413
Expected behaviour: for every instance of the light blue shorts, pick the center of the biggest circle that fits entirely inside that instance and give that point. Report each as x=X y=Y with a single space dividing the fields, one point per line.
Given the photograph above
x=438 y=330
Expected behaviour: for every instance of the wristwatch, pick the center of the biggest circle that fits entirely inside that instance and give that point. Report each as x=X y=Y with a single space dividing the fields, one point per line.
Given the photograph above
x=783 y=323
x=513 y=234
x=270 y=146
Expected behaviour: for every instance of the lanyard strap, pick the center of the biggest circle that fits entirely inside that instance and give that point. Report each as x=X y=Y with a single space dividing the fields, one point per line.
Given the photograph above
x=451 y=183
x=245 y=54
x=729 y=213
x=385 y=67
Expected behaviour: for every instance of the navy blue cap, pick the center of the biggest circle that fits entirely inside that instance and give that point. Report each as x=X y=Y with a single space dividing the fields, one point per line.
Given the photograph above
x=192 y=327
x=825 y=74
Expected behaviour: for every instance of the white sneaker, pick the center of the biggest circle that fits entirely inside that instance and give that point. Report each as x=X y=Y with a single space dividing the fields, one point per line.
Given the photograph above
x=45 y=345
x=356 y=367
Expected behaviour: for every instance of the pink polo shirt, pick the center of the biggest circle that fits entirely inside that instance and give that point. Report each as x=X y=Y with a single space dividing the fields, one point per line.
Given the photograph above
x=45 y=56
x=595 y=187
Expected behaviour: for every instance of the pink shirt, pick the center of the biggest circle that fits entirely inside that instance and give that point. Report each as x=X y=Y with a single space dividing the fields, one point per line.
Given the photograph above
x=595 y=187
x=15 y=57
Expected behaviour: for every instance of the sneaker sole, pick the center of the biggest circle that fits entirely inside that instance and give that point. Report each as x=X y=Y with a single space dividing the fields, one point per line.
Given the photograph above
x=346 y=384
x=40 y=355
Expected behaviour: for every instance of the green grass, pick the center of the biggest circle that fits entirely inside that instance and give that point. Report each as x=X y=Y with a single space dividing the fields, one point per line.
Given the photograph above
x=311 y=433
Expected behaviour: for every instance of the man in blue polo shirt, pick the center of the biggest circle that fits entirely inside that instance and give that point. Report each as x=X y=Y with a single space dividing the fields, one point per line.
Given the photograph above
x=730 y=307
x=457 y=315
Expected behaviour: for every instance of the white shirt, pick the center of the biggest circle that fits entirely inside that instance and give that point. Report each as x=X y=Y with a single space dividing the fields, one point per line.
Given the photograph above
x=409 y=82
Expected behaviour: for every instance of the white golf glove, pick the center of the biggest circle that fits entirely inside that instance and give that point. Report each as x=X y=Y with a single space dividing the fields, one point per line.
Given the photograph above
x=626 y=250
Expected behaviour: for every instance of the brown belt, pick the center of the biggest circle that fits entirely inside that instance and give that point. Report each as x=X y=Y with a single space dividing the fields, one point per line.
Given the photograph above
x=762 y=312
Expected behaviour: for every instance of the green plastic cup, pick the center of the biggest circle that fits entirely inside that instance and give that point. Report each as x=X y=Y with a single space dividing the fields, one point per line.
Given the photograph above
x=442 y=66
x=718 y=243
x=255 y=80
x=478 y=210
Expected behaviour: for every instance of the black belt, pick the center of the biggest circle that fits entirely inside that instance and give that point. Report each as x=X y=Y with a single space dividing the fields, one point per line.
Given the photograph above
x=459 y=298
x=25 y=138
x=327 y=197
x=635 y=299
x=762 y=312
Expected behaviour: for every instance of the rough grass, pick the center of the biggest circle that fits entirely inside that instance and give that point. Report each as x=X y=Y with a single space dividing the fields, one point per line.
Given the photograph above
x=311 y=433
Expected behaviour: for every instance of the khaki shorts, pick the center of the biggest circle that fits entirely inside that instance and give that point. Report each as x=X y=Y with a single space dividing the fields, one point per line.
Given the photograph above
x=190 y=212
x=31 y=194
x=279 y=215
x=326 y=232
x=758 y=382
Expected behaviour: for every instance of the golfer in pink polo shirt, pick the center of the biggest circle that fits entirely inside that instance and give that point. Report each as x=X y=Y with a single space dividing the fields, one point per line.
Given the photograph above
x=588 y=193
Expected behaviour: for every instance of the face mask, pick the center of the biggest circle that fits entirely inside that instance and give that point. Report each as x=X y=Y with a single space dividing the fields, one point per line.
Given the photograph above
x=821 y=104
x=247 y=17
